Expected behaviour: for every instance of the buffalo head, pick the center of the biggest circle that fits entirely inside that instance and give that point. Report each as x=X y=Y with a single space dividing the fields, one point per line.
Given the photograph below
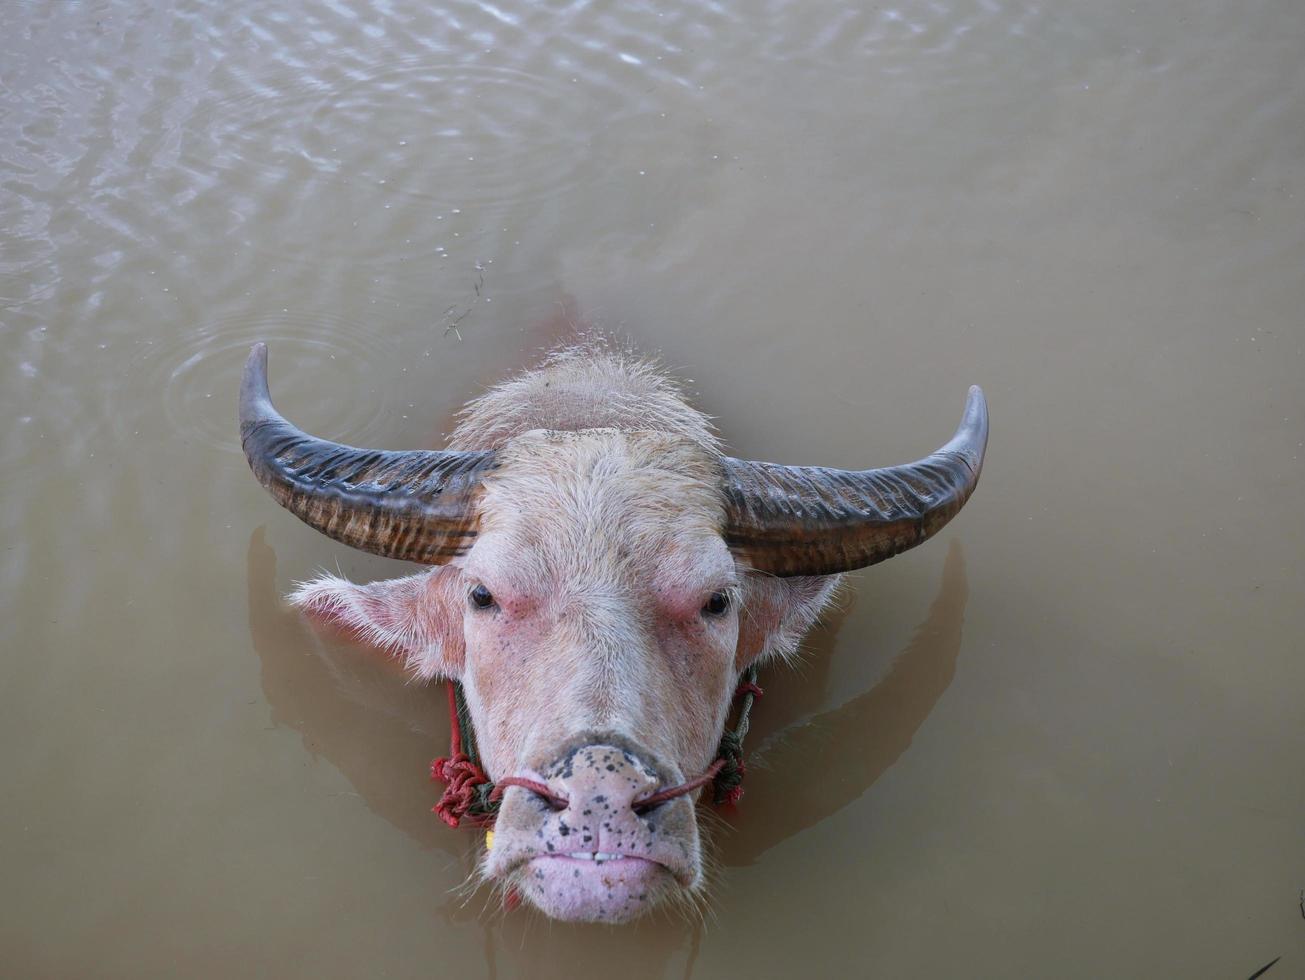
x=601 y=576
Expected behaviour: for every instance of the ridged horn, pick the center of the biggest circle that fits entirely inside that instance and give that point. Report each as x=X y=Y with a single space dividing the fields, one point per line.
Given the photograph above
x=809 y=520
x=417 y=506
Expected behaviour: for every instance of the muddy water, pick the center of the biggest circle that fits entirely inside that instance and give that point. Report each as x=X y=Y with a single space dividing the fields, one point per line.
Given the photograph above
x=1066 y=739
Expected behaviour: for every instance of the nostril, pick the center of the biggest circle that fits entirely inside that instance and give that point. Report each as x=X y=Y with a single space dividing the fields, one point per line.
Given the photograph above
x=649 y=803
x=535 y=786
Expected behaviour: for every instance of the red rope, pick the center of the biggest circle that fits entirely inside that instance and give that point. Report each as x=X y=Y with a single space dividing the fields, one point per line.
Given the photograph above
x=735 y=793
x=639 y=806
x=661 y=796
x=459 y=774
x=455 y=727
x=465 y=796
x=536 y=787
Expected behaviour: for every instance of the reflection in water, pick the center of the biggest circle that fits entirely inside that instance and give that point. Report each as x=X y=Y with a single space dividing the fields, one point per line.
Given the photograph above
x=378 y=734
x=356 y=711
x=815 y=769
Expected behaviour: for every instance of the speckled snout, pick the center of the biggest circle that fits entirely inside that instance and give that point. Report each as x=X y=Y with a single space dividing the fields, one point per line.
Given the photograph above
x=602 y=858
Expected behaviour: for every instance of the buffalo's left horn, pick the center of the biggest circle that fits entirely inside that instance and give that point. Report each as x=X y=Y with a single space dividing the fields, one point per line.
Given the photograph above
x=418 y=506
x=808 y=520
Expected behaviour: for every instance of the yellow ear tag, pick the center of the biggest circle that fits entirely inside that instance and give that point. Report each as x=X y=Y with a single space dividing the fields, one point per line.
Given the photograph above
x=489 y=840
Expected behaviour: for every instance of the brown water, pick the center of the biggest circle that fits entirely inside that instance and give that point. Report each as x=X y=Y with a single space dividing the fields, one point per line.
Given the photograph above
x=1067 y=739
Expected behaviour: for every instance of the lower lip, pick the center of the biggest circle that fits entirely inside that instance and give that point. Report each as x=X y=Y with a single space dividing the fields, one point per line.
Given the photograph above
x=627 y=867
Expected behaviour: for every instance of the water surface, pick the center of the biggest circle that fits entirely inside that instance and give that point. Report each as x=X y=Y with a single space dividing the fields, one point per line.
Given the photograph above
x=1064 y=739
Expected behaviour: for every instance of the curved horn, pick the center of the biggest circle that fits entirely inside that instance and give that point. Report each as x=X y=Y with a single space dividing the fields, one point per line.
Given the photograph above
x=808 y=520
x=418 y=506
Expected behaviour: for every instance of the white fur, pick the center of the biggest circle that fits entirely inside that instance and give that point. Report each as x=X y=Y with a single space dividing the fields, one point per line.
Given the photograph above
x=600 y=539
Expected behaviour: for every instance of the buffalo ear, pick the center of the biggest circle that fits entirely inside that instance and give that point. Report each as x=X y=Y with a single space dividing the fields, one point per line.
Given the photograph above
x=416 y=619
x=777 y=612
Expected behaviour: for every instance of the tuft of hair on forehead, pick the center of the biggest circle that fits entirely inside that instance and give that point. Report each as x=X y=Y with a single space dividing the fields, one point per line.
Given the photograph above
x=608 y=496
x=590 y=384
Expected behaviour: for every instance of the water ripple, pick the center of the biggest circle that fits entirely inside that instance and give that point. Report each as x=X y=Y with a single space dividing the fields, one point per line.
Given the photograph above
x=320 y=368
x=952 y=43
x=453 y=135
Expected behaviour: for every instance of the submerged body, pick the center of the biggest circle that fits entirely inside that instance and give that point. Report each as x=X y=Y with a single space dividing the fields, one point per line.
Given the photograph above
x=603 y=576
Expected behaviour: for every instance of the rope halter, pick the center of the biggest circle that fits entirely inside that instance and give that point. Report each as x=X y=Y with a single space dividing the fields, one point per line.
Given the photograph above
x=470 y=795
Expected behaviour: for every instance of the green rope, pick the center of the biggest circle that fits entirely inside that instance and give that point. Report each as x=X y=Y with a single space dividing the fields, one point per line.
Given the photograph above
x=727 y=787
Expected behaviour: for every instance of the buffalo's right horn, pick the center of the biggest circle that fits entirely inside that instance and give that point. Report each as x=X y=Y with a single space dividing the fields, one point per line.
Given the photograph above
x=418 y=506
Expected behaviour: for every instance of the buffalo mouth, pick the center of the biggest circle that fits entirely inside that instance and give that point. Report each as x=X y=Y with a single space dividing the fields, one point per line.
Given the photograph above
x=594 y=886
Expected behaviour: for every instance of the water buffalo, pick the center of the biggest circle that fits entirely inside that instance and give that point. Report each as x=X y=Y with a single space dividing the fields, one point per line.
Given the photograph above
x=603 y=574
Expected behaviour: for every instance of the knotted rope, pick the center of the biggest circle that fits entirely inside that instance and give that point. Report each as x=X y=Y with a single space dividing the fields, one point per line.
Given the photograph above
x=470 y=795
x=729 y=779
x=467 y=787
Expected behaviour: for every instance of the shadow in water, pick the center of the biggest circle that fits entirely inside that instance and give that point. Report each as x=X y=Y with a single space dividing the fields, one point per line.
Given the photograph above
x=814 y=769
x=352 y=707
x=356 y=710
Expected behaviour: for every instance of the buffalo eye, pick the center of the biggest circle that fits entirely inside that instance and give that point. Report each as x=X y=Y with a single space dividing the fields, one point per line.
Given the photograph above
x=717 y=605
x=481 y=597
